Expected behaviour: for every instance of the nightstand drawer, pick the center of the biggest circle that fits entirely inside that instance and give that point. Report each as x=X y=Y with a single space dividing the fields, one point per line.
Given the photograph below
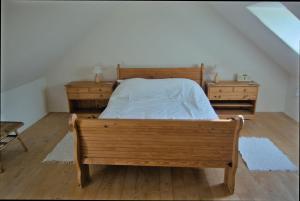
x=88 y=96
x=232 y=93
x=232 y=96
x=250 y=90
x=77 y=90
x=221 y=89
x=101 y=89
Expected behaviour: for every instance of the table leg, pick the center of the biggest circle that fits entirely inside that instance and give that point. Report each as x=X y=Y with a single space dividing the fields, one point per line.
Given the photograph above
x=1 y=166
x=22 y=143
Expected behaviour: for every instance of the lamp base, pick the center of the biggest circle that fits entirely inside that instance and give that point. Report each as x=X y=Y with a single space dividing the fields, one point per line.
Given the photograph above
x=97 y=78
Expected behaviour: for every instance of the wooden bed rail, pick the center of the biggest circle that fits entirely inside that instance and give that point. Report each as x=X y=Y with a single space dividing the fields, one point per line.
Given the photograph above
x=171 y=143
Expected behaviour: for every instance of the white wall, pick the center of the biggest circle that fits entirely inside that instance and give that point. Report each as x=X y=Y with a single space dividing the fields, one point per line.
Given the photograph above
x=38 y=33
x=3 y=35
x=292 y=98
x=25 y=103
x=166 y=34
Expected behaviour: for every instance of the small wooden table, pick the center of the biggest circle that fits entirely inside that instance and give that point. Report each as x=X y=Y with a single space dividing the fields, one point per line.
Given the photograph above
x=7 y=127
x=88 y=98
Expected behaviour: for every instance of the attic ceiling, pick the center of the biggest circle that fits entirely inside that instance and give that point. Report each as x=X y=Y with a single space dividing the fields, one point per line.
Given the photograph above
x=294 y=7
x=38 y=33
x=237 y=14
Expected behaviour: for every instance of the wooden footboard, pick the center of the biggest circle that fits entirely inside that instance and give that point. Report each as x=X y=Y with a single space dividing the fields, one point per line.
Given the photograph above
x=173 y=143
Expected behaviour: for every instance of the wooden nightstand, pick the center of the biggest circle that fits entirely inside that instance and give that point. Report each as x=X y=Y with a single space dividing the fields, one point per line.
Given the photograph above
x=230 y=98
x=87 y=98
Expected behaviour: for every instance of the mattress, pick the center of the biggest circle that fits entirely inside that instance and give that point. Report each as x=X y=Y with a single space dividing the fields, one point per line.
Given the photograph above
x=173 y=98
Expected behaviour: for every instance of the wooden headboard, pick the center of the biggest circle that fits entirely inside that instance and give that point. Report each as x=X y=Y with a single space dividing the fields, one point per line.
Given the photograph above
x=193 y=73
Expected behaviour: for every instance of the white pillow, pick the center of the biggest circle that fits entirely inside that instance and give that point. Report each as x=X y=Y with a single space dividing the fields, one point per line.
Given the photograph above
x=140 y=88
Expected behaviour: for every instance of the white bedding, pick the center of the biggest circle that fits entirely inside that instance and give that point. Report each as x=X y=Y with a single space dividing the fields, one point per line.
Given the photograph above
x=174 y=98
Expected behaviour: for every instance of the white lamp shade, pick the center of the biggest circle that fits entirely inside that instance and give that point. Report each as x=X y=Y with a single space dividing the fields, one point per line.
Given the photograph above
x=97 y=70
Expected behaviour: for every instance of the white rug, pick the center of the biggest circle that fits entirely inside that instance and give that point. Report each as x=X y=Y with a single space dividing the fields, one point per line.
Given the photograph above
x=63 y=151
x=259 y=154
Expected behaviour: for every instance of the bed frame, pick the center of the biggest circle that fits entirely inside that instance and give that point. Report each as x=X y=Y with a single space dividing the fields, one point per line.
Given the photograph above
x=145 y=142
x=193 y=73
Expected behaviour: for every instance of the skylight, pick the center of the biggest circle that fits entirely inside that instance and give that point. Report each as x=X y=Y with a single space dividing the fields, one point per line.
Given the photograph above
x=279 y=20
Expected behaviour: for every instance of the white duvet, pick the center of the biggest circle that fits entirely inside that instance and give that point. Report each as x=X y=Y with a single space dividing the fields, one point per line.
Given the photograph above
x=174 y=98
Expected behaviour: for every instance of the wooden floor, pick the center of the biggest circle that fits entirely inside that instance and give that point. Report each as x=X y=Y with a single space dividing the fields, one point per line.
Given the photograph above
x=27 y=177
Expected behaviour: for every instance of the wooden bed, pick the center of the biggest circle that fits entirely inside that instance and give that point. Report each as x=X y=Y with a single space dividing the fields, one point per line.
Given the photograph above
x=172 y=143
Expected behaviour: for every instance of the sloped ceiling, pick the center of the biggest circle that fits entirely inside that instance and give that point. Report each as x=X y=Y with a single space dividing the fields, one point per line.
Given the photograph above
x=294 y=7
x=37 y=34
x=273 y=47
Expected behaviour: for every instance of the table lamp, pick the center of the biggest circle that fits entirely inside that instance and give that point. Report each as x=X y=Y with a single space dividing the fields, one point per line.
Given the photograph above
x=98 y=71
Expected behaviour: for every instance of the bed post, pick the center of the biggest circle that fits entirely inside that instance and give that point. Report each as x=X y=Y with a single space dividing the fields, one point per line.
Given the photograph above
x=202 y=76
x=118 y=71
x=82 y=169
x=230 y=170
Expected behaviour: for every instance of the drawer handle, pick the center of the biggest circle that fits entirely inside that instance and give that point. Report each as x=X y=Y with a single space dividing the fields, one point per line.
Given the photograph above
x=245 y=90
x=220 y=90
